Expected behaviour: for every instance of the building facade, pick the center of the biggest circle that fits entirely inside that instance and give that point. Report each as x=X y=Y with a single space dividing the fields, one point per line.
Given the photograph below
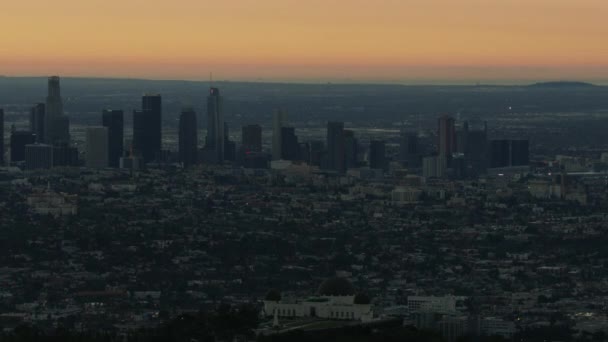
x=113 y=120
x=97 y=147
x=188 y=138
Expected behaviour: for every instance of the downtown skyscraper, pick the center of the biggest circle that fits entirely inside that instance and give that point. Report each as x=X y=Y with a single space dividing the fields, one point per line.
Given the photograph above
x=446 y=133
x=97 y=147
x=251 y=138
x=335 y=147
x=37 y=121
x=113 y=120
x=147 y=128
x=56 y=124
x=215 y=125
x=279 y=119
x=188 y=138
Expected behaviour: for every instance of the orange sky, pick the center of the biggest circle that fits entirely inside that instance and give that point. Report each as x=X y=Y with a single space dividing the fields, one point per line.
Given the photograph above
x=357 y=40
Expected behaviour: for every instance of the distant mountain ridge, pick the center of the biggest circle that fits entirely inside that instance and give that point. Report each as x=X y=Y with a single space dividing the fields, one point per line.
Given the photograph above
x=562 y=84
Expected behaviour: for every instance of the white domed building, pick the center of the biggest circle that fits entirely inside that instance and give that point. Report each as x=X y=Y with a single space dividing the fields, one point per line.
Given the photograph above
x=336 y=299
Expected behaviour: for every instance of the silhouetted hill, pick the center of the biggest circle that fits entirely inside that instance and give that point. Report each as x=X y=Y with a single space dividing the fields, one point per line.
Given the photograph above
x=562 y=84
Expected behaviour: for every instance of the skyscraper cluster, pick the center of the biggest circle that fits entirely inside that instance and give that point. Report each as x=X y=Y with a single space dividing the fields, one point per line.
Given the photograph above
x=47 y=142
x=461 y=151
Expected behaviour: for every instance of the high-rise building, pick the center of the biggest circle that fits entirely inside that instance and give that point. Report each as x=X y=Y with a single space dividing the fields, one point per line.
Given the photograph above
x=149 y=127
x=1 y=136
x=520 y=152
x=144 y=139
x=138 y=144
x=229 y=145
x=351 y=149
x=65 y=155
x=500 y=153
x=18 y=141
x=505 y=153
x=434 y=167
x=279 y=120
x=252 y=138
x=57 y=125
x=462 y=137
x=37 y=120
x=113 y=120
x=215 y=125
x=377 y=154
x=409 y=149
x=290 y=148
x=476 y=154
x=446 y=133
x=304 y=152
x=188 y=138
x=97 y=147
x=335 y=147
x=316 y=152
x=38 y=156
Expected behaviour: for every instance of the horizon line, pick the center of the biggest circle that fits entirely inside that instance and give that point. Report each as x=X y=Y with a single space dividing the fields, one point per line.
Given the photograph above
x=345 y=81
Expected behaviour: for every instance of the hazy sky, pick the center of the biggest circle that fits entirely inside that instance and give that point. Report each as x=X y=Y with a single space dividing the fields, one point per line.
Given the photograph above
x=357 y=40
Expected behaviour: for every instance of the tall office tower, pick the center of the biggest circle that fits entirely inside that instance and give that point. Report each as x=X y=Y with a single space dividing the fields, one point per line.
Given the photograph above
x=56 y=125
x=316 y=152
x=446 y=134
x=279 y=120
x=152 y=126
x=38 y=156
x=462 y=137
x=65 y=155
x=335 y=146
x=520 y=152
x=290 y=148
x=215 y=125
x=113 y=120
x=304 y=152
x=188 y=138
x=377 y=155
x=351 y=149
x=1 y=136
x=434 y=167
x=18 y=141
x=37 y=114
x=97 y=147
x=409 y=149
x=138 y=145
x=500 y=153
x=477 y=150
x=252 y=138
x=229 y=145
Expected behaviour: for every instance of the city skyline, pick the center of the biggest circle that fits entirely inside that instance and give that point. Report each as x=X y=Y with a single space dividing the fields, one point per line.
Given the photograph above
x=388 y=41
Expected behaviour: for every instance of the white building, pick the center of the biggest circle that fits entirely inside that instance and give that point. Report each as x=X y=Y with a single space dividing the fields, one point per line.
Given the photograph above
x=97 y=147
x=335 y=300
x=445 y=304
